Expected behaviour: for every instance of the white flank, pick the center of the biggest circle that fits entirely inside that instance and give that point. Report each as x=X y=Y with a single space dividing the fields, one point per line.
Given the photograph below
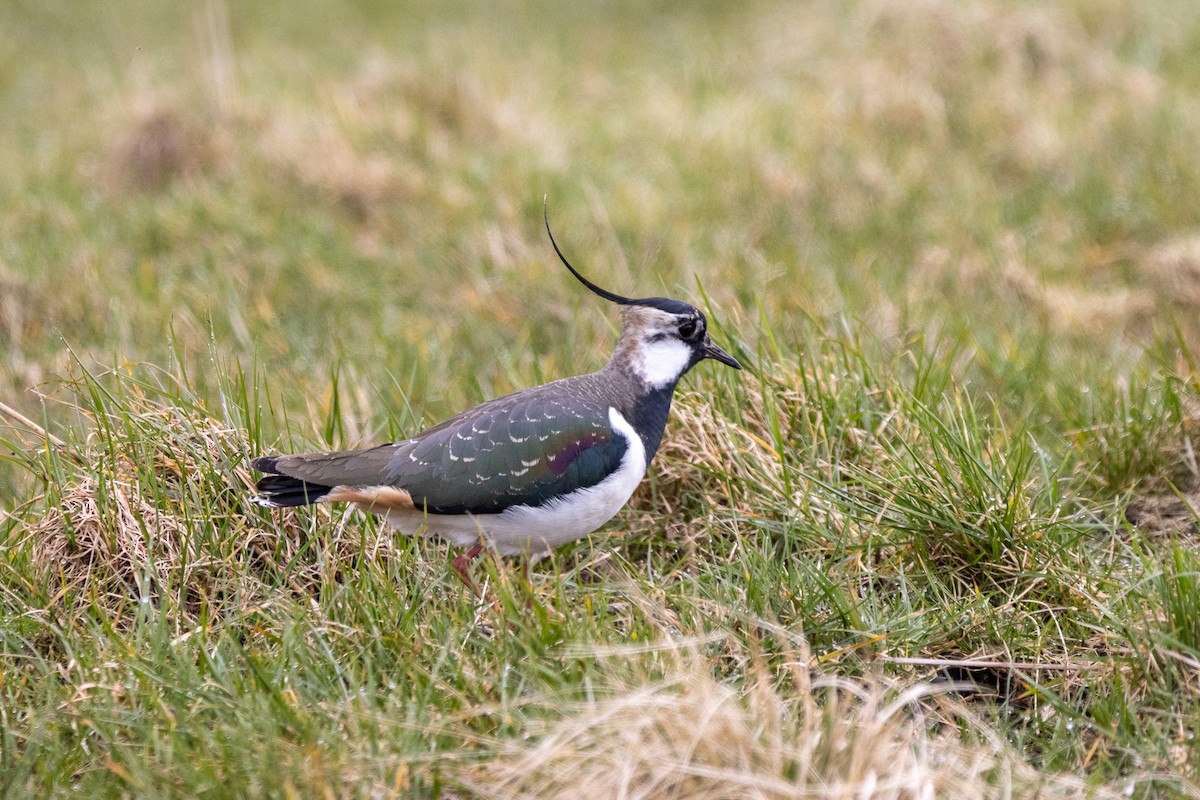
x=533 y=531
x=661 y=363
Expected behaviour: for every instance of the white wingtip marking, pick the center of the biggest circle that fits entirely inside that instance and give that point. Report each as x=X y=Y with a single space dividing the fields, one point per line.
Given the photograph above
x=259 y=500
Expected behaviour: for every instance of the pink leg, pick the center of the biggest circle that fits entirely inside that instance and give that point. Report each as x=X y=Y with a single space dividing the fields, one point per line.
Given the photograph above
x=462 y=566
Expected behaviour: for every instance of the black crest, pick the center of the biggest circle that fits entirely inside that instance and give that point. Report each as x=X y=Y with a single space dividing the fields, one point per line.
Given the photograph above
x=661 y=303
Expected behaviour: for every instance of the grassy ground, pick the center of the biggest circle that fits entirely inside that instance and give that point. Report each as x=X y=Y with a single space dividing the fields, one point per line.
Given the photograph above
x=956 y=244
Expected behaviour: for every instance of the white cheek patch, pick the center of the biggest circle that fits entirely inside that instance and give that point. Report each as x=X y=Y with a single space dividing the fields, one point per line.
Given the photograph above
x=662 y=362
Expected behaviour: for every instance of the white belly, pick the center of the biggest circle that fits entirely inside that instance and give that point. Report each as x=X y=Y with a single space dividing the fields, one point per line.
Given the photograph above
x=534 y=530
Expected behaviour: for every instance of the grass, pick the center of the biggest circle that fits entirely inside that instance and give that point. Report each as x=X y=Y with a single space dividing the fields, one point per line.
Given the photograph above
x=939 y=538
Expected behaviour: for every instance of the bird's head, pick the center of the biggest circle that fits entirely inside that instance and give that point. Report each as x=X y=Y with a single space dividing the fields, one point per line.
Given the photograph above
x=661 y=339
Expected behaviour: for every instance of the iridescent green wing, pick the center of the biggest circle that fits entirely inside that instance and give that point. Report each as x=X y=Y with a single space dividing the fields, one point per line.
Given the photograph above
x=524 y=449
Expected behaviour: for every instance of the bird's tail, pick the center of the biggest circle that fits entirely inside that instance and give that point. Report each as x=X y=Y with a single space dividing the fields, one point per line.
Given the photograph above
x=276 y=490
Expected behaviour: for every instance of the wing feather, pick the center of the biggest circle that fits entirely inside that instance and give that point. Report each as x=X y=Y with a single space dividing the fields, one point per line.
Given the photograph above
x=523 y=449
x=526 y=453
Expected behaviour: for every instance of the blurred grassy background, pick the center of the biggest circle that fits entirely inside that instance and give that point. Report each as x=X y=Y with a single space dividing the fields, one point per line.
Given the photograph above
x=958 y=242
x=324 y=184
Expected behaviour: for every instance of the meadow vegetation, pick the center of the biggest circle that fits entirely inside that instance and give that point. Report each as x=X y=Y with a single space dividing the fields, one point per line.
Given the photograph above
x=938 y=539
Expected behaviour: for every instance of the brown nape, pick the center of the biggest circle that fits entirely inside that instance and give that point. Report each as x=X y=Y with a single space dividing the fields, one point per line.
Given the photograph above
x=377 y=499
x=636 y=321
x=640 y=318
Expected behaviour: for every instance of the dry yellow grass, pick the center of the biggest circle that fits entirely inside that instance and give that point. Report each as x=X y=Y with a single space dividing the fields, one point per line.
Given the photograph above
x=125 y=524
x=154 y=508
x=687 y=735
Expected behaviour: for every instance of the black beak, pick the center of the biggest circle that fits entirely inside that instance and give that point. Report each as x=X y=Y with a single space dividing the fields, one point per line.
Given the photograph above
x=712 y=351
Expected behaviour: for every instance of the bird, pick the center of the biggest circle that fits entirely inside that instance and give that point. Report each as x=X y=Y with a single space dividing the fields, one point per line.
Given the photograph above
x=528 y=472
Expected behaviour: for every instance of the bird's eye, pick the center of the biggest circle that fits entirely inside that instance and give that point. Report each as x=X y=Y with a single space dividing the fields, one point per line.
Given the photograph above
x=688 y=329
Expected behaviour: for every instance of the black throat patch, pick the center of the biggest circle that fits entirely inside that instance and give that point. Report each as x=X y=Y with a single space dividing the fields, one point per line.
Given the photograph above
x=648 y=416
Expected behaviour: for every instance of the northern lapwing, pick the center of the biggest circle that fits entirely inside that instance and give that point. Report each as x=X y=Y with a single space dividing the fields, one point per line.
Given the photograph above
x=530 y=471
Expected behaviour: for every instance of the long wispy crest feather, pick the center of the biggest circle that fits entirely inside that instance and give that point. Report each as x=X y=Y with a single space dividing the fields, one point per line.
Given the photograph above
x=607 y=295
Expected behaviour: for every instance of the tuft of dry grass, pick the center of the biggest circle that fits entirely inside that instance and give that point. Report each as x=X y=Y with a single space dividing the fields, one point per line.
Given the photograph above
x=364 y=185
x=122 y=523
x=163 y=142
x=154 y=507
x=1175 y=266
x=688 y=735
x=1172 y=269
x=705 y=452
x=1169 y=516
